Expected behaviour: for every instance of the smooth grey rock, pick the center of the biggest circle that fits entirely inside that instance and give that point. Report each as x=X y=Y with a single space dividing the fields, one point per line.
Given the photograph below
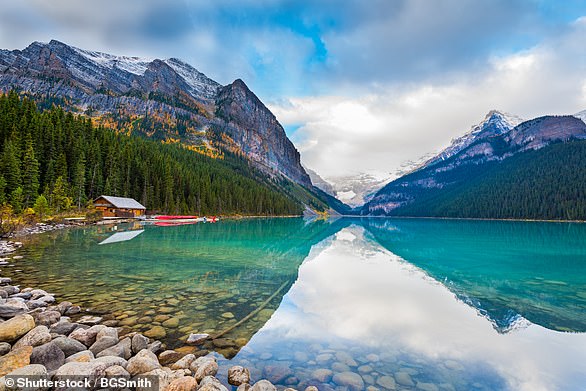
x=75 y=309
x=64 y=306
x=36 y=337
x=10 y=290
x=63 y=327
x=121 y=349
x=22 y=295
x=48 y=355
x=103 y=343
x=13 y=307
x=30 y=370
x=69 y=346
x=139 y=342
x=155 y=347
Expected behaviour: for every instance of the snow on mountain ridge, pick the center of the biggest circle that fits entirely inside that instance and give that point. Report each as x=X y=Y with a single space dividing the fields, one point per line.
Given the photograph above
x=200 y=84
x=581 y=115
x=495 y=123
x=135 y=65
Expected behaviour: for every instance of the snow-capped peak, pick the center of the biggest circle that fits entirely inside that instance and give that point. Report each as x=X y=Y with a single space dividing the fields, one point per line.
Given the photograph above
x=581 y=115
x=199 y=82
x=494 y=123
x=135 y=65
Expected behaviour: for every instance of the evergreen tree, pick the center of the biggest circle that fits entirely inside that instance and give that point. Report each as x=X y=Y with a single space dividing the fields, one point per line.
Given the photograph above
x=11 y=166
x=17 y=200
x=30 y=176
x=61 y=202
x=41 y=206
x=2 y=190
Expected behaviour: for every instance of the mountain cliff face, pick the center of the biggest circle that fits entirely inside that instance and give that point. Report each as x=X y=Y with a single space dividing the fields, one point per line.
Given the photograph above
x=249 y=126
x=462 y=162
x=166 y=100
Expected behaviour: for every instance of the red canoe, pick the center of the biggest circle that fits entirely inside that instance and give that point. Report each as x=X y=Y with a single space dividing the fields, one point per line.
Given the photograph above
x=175 y=217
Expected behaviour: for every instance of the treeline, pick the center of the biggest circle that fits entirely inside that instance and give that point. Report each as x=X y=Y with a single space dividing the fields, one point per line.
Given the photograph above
x=61 y=160
x=549 y=183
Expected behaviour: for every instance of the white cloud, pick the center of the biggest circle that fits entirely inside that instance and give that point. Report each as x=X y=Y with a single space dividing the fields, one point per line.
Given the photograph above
x=380 y=131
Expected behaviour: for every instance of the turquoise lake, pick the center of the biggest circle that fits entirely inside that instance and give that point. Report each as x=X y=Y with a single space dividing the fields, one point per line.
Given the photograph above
x=395 y=304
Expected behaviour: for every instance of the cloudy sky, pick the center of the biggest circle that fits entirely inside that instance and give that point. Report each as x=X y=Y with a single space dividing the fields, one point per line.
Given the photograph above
x=360 y=86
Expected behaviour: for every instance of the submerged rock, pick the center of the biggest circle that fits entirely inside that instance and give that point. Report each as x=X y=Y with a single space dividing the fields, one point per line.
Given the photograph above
x=322 y=375
x=263 y=385
x=387 y=382
x=349 y=379
x=404 y=379
x=90 y=320
x=157 y=332
x=197 y=339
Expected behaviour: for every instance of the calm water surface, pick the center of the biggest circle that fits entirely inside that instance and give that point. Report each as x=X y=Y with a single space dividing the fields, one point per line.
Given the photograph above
x=344 y=304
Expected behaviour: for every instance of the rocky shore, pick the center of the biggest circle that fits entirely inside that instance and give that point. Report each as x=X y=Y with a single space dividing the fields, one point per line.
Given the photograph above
x=40 y=339
x=10 y=246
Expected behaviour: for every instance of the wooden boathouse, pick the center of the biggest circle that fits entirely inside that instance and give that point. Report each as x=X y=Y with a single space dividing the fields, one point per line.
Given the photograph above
x=119 y=206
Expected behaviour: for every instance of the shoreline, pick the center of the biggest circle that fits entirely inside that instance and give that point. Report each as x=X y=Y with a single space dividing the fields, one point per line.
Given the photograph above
x=463 y=219
x=51 y=340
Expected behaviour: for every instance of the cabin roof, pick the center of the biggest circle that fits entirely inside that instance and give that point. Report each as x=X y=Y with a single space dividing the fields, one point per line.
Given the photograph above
x=122 y=202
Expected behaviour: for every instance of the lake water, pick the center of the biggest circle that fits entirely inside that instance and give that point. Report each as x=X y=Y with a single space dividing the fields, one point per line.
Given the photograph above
x=342 y=304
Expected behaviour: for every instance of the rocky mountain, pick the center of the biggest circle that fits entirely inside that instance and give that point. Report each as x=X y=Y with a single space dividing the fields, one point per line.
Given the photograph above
x=320 y=183
x=356 y=189
x=166 y=100
x=495 y=123
x=488 y=145
x=353 y=190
